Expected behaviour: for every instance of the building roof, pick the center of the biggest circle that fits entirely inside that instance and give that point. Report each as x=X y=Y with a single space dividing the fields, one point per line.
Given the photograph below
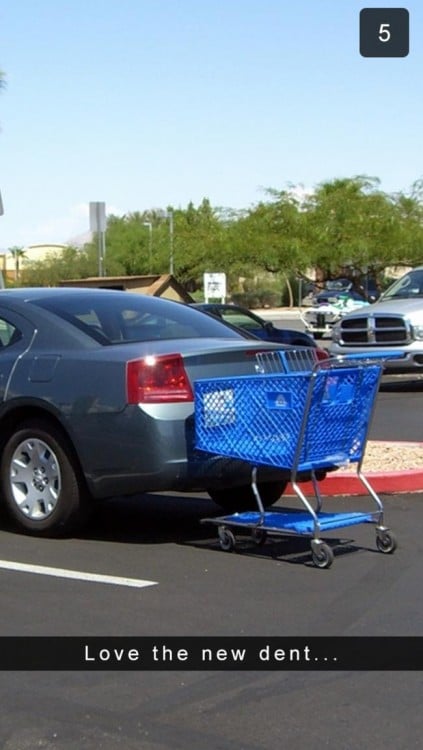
x=164 y=285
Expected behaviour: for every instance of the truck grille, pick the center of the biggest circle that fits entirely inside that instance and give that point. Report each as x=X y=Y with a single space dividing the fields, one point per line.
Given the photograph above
x=375 y=329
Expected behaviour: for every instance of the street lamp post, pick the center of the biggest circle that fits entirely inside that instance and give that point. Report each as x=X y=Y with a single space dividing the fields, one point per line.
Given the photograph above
x=170 y=217
x=150 y=244
x=98 y=227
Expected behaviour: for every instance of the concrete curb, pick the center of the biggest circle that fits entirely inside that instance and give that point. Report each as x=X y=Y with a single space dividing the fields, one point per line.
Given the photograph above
x=343 y=483
x=387 y=482
x=277 y=313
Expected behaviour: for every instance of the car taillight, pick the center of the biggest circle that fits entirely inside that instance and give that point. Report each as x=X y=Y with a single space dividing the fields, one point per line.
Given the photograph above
x=158 y=379
x=322 y=353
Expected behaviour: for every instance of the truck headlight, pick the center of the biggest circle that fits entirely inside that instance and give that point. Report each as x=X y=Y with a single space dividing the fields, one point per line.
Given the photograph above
x=418 y=332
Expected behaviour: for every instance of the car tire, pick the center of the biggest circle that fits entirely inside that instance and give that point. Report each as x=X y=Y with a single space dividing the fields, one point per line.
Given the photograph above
x=41 y=483
x=239 y=499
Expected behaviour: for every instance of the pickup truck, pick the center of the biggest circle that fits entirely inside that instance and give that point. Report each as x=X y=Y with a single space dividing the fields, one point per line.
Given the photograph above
x=393 y=324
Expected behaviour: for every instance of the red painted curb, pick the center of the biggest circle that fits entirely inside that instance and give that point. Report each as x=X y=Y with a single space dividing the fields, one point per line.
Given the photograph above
x=347 y=483
x=342 y=483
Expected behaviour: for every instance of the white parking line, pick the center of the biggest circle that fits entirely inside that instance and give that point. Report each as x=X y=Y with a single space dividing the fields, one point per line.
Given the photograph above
x=77 y=575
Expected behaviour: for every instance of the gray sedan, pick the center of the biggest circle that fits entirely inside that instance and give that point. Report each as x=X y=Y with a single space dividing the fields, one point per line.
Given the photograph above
x=96 y=401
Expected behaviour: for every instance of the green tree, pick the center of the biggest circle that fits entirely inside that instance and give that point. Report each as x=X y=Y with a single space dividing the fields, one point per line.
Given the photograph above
x=127 y=245
x=346 y=225
x=133 y=248
x=270 y=235
x=198 y=240
x=200 y=243
x=351 y=225
x=70 y=263
x=409 y=223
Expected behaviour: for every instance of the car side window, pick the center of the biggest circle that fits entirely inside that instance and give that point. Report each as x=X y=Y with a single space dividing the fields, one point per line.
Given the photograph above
x=9 y=334
x=147 y=327
x=237 y=318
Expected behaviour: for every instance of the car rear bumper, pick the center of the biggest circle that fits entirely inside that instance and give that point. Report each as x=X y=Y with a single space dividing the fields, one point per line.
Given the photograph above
x=117 y=460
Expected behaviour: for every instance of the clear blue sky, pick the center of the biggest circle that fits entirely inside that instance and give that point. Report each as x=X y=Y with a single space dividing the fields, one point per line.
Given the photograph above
x=150 y=103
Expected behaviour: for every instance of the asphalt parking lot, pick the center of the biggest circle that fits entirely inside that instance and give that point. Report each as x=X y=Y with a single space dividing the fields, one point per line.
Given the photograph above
x=189 y=587
x=200 y=590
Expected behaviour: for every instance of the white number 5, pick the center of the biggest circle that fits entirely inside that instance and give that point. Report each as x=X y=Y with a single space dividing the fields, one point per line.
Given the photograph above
x=384 y=33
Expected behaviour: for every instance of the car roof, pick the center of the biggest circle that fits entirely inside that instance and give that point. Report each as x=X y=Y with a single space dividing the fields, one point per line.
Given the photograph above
x=45 y=292
x=38 y=294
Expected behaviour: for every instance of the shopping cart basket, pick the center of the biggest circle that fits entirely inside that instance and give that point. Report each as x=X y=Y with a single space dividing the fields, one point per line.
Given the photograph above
x=304 y=421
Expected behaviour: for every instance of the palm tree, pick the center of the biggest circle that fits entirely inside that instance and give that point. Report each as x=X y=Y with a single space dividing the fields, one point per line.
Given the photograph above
x=17 y=253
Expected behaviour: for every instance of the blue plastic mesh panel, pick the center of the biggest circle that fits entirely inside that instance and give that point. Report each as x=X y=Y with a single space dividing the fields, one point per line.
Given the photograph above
x=260 y=418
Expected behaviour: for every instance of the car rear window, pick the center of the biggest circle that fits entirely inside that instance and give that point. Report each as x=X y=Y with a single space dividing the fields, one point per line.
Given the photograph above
x=121 y=318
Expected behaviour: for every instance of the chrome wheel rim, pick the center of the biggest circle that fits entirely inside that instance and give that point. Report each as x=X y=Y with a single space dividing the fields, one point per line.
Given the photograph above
x=35 y=479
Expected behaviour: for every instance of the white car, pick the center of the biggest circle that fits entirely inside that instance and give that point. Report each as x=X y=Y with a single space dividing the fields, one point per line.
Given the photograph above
x=320 y=319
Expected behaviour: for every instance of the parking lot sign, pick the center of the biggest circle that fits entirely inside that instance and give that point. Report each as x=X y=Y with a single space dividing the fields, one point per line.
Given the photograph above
x=214 y=286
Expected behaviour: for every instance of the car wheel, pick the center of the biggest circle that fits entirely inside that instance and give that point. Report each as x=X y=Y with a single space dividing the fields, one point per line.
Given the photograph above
x=239 y=499
x=40 y=482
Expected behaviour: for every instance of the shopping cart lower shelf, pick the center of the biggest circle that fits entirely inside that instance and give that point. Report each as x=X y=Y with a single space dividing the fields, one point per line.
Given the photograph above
x=300 y=523
x=304 y=422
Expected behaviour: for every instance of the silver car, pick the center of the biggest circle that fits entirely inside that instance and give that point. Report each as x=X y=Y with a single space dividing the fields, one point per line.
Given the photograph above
x=97 y=401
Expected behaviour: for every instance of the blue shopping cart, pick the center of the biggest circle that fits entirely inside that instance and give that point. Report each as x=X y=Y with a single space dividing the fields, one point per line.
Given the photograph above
x=307 y=420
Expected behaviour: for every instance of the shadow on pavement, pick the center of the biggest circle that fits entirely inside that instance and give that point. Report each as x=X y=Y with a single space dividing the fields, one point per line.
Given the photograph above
x=402 y=384
x=293 y=550
x=172 y=518
x=150 y=519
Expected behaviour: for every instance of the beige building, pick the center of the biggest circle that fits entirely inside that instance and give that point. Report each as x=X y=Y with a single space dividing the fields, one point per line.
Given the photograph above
x=11 y=265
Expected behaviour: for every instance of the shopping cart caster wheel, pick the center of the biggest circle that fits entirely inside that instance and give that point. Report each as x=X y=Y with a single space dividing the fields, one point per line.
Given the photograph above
x=322 y=555
x=226 y=540
x=386 y=542
x=259 y=536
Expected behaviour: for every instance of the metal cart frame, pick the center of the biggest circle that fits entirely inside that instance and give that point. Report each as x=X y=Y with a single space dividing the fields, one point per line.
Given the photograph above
x=309 y=420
